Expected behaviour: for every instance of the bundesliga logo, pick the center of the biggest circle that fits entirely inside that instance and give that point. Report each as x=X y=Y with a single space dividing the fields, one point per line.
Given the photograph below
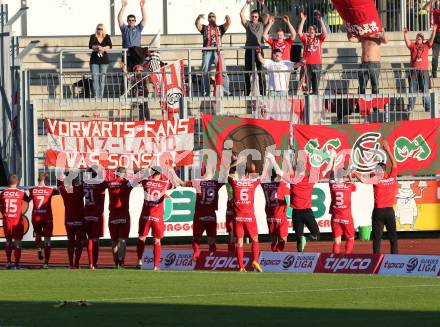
x=169 y=259
x=288 y=261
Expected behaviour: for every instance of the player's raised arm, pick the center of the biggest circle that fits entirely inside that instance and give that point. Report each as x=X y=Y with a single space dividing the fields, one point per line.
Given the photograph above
x=390 y=154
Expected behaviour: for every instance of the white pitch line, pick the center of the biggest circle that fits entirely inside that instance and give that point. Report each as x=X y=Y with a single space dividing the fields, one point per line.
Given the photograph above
x=263 y=293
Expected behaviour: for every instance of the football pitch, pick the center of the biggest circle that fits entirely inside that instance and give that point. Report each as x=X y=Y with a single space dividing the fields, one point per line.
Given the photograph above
x=130 y=297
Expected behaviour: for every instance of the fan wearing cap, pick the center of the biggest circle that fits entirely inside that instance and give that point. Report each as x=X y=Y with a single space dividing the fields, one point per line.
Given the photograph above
x=278 y=70
x=385 y=191
x=419 y=74
x=153 y=210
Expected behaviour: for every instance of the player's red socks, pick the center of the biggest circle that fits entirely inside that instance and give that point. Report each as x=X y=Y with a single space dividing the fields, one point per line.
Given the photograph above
x=95 y=252
x=156 y=252
x=231 y=247
x=90 y=251
x=8 y=250
x=17 y=256
x=240 y=255
x=38 y=241
x=336 y=248
x=78 y=253
x=46 y=254
x=70 y=251
x=212 y=248
x=140 y=248
x=196 y=250
x=349 y=244
x=255 y=251
x=281 y=245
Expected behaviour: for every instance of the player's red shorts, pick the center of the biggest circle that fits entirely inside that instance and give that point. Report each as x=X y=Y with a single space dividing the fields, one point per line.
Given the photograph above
x=245 y=225
x=230 y=222
x=119 y=228
x=342 y=227
x=75 y=230
x=156 y=225
x=14 y=231
x=43 y=228
x=93 y=226
x=208 y=223
x=278 y=226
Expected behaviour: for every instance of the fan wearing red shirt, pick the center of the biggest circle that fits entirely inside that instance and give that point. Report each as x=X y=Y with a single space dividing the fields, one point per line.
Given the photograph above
x=94 y=197
x=312 y=52
x=13 y=204
x=243 y=193
x=342 y=218
x=282 y=43
x=119 y=190
x=275 y=193
x=72 y=193
x=42 y=219
x=419 y=74
x=385 y=191
x=434 y=8
x=151 y=217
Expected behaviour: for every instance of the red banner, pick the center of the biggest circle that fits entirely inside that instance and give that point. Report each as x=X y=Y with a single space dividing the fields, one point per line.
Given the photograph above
x=348 y=263
x=244 y=134
x=223 y=261
x=113 y=144
x=415 y=145
x=360 y=16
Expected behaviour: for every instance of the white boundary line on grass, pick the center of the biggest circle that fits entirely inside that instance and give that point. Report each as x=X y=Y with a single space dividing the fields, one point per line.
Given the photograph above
x=264 y=293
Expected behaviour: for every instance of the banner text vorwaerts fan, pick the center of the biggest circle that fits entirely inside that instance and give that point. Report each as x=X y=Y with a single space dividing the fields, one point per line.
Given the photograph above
x=111 y=144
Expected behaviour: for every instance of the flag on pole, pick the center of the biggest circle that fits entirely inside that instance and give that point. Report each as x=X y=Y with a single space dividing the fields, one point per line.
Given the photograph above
x=219 y=85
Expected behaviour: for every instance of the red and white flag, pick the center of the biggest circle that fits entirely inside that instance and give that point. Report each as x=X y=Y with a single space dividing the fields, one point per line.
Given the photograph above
x=219 y=85
x=169 y=84
x=360 y=16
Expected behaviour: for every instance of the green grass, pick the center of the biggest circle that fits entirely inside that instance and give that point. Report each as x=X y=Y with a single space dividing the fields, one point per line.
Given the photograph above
x=129 y=297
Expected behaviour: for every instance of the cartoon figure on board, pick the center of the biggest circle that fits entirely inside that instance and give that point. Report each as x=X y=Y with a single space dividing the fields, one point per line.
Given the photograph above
x=406 y=206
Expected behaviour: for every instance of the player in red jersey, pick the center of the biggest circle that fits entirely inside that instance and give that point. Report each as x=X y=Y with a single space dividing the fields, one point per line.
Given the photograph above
x=13 y=204
x=42 y=219
x=275 y=193
x=119 y=190
x=230 y=215
x=205 y=217
x=342 y=223
x=243 y=190
x=94 y=196
x=152 y=214
x=385 y=190
x=301 y=190
x=72 y=192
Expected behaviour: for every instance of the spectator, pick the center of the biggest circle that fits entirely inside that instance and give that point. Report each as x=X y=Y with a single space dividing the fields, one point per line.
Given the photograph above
x=131 y=33
x=419 y=74
x=254 y=38
x=278 y=70
x=434 y=7
x=212 y=36
x=312 y=53
x=370 y=66
x=100 y=43
x=281 y=42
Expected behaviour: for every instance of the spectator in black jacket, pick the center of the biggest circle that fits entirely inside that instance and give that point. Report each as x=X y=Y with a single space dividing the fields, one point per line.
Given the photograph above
x=100 y=43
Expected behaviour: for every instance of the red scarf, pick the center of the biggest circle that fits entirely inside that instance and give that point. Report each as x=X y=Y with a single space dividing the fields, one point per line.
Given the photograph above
x=217 y=36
